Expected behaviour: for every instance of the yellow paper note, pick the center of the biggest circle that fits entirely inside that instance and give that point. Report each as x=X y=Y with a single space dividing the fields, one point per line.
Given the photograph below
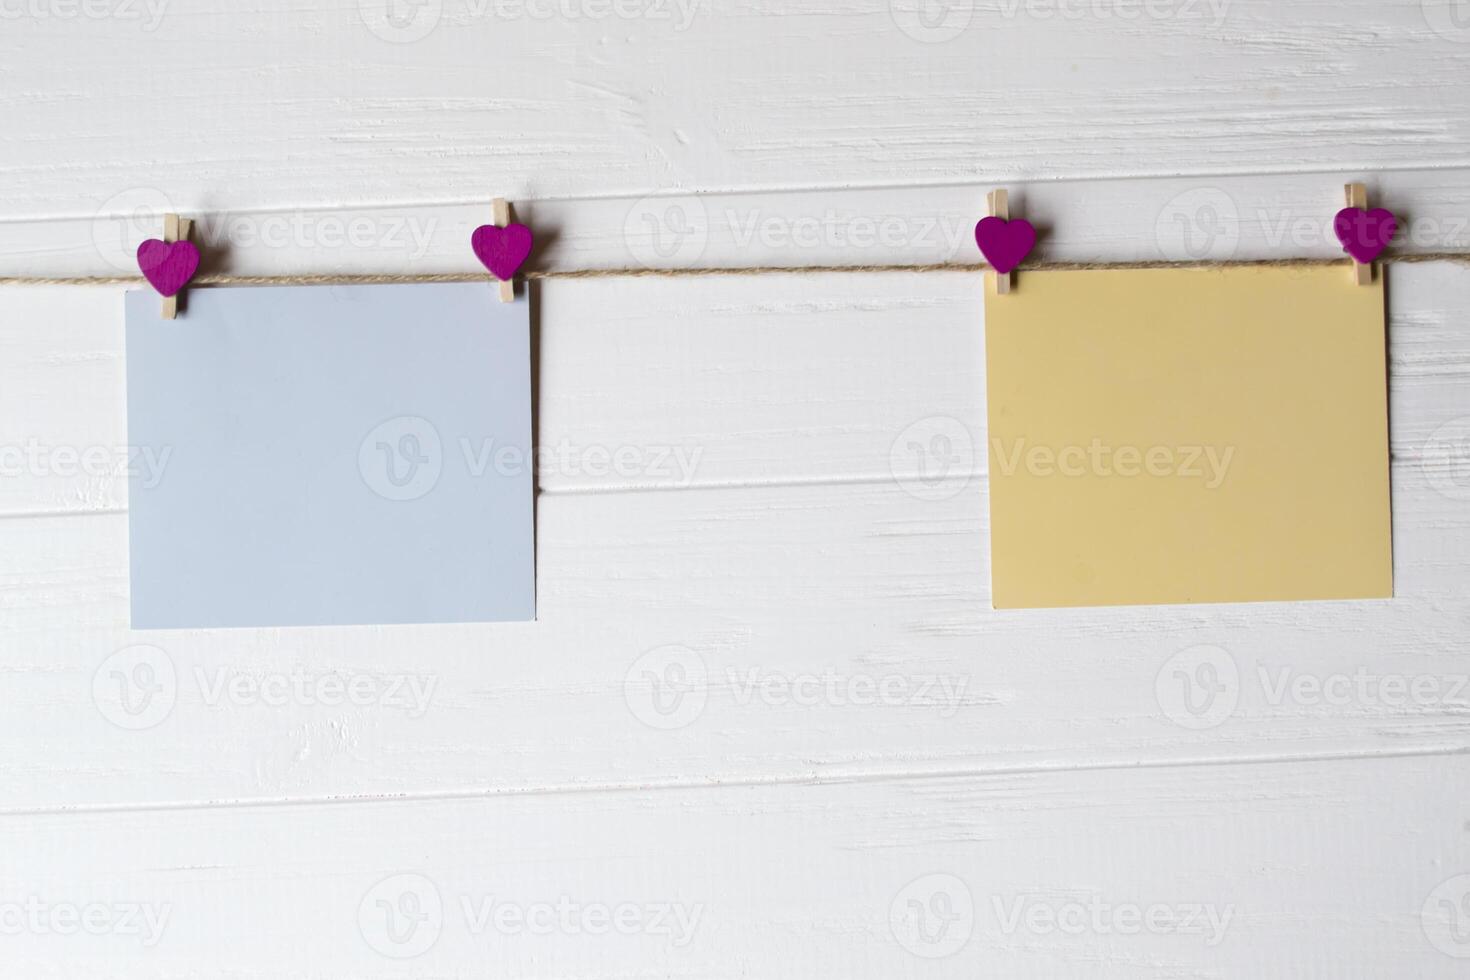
x=1187 y=435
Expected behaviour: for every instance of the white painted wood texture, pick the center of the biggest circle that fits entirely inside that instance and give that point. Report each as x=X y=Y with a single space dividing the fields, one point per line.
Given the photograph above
x=306 y=104
x=1305 y=870
x=862 y=747
x=1177 y=219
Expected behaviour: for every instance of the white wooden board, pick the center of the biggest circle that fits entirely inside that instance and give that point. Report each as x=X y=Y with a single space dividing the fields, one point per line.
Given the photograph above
x=1337 y=869
x=828 y=601
x=303 y=105
x=1202 y=217
x=767 y=692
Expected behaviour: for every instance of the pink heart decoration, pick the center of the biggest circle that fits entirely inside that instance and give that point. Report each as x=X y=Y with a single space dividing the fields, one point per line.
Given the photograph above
x=1365 y=234
x=501 y=250
x=168 y=265
x=1004 y=243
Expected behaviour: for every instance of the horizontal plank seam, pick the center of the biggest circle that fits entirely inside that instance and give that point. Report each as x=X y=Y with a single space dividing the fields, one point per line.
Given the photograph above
x=716 y=783
x=1398 y=459
x=978 y=180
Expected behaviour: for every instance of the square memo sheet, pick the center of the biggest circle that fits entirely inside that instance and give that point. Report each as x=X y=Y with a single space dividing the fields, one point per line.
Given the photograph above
x=1187 y=435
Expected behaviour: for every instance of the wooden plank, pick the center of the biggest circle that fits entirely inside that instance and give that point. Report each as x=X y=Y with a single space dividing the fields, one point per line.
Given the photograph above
x=746 y=634
x=710 y=97
x=1335 y=869
x=1177 y=219
x=1084 y=762
x=689 y=383
x=803 y=546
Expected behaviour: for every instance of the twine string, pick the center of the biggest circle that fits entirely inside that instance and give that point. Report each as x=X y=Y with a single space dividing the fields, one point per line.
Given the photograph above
x=342 y=279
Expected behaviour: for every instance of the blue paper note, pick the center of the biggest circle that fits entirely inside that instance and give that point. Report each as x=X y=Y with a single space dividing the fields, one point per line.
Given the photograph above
x=330 y=455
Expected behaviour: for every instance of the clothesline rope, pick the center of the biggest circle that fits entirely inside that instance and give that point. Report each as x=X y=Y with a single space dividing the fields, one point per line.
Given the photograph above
x=1462 y=258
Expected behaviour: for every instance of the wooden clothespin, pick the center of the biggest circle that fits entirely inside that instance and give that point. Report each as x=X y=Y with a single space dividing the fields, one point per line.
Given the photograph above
x=1004 y=243
x=175 y=229
x=1000 y=207
x=1357 y=197
x=502 y=247
x=501 y=219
